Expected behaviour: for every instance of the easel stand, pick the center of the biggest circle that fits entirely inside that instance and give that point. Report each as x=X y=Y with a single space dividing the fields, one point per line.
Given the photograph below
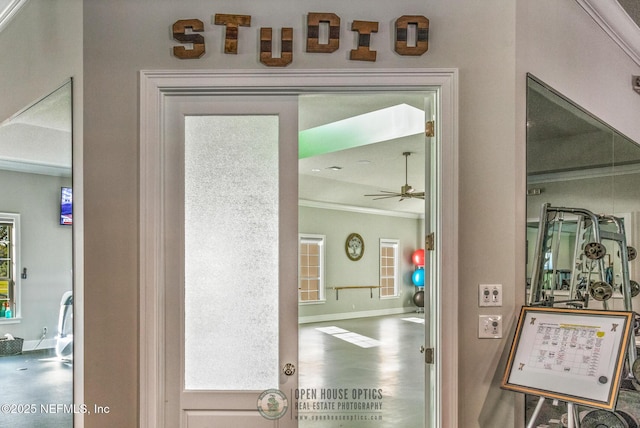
x=572 y=413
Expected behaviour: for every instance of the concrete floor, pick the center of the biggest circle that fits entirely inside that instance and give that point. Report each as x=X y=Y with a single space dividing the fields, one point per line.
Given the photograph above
x=36 y=391
x=393 y=364
x=386 y=375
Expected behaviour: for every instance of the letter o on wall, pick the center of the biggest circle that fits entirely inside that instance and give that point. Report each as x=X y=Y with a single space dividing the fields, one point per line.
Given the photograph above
x=422 y=35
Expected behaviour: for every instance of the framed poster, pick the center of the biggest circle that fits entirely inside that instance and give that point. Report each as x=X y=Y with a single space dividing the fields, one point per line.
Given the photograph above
x=572 y=355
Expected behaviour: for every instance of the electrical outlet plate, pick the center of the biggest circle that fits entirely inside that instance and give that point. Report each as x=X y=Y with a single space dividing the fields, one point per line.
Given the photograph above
x=490 y=295
x=490 y=327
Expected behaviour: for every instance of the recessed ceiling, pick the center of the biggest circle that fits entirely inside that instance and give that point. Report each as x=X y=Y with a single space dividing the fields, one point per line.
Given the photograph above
x=565 y=142
x=366 y=168
x=385 y=124
x=38 y=139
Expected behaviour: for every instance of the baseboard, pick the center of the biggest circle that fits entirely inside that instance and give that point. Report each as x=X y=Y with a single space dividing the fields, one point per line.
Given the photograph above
x=32 y=345
x=353 y=315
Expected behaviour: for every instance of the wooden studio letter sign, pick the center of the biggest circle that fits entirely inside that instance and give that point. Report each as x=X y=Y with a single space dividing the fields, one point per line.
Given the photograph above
x=364 y=29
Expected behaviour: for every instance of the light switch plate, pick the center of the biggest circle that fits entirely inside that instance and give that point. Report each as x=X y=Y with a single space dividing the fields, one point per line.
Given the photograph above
x=490 y=327
x=490 y=295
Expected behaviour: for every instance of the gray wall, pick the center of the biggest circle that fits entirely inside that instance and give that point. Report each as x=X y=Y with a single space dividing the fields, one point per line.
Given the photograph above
x=555 y=40
x=559 y=43
x=41 y=48
x=46 y=250
x=336 y=225
x=121 y=38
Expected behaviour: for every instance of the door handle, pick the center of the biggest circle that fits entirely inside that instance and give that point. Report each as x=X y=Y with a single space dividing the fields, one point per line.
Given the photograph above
x=429 y=354
x=289 y=369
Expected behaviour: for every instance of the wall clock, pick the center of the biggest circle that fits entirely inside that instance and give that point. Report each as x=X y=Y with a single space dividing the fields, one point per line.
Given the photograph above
x=354 y=246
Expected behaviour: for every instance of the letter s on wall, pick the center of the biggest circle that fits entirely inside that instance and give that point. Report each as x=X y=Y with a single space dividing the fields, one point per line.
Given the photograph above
x=179 y=34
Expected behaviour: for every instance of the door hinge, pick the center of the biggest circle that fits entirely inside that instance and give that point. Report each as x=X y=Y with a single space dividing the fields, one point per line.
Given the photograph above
x=429 y=129
x=428 y=354
x=428 y=242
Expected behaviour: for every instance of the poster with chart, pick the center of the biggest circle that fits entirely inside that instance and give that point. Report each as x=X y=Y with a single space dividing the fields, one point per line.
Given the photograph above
x=569 y=354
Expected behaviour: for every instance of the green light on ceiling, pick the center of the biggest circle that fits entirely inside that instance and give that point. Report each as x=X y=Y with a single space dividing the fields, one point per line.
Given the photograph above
x=381 y=125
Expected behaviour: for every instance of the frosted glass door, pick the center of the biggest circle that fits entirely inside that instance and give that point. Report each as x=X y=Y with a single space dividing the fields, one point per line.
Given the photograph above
x=231 y=252
x=230 y=267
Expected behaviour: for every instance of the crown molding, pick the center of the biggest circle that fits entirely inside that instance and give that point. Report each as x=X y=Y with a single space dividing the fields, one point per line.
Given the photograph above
x=354 y=209
x=10 y=11
x=35 y=168
x=618 y=25
x=583 y=174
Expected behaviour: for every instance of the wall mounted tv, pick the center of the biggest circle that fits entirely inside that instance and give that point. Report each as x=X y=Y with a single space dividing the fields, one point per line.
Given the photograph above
x=66 y=206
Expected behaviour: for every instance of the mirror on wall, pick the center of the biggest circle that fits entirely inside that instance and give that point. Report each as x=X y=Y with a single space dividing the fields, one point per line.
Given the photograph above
x=576 y=161
x=36 y=262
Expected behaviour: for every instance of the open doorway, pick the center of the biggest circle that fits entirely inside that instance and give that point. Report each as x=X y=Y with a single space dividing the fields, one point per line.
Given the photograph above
x=166 y=97
x=364 y=209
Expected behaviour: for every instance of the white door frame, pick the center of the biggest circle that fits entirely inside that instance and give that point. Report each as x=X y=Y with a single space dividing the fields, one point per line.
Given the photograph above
x=155 y=86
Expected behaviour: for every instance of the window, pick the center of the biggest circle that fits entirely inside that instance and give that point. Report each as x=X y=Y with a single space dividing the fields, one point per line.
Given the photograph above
x=389 y=267
x=311 y=269
x=9 y=254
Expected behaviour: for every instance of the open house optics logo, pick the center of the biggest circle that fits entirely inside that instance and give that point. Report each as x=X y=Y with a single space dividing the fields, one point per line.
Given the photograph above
x=273 y=404
x=324 y=404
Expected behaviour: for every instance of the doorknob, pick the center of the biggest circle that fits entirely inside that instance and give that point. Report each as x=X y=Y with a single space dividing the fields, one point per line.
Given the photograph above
x=289 y=369
x=422 y=349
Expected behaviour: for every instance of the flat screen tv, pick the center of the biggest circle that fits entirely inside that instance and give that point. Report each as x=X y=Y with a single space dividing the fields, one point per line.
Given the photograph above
x=66 y=206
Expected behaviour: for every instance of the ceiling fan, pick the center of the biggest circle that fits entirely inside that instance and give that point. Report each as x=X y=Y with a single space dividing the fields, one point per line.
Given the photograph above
x=406 y=191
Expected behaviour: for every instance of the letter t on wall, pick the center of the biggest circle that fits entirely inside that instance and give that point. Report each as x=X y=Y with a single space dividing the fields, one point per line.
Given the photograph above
x=232 y=22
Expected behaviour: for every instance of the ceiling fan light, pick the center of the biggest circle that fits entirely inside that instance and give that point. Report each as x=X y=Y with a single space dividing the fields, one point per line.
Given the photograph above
x=407 y=189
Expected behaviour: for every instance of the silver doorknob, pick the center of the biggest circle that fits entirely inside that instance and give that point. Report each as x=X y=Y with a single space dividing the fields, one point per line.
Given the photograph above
x=422 y=349
x=289 y=369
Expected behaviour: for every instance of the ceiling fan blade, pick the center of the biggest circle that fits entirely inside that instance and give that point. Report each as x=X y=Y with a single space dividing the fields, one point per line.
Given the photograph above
x=417 y=195
x=384 y=196
x=384 y=193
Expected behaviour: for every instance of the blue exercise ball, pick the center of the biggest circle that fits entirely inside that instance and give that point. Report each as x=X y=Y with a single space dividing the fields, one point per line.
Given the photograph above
x=418 y=277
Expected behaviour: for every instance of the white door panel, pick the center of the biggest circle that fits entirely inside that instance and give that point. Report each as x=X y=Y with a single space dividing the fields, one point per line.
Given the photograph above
x=230 y=171
x=235 y=419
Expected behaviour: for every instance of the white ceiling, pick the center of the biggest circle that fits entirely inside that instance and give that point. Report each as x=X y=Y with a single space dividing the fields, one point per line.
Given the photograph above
x=366 y=169
x=38 y=139
x=564 y=142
